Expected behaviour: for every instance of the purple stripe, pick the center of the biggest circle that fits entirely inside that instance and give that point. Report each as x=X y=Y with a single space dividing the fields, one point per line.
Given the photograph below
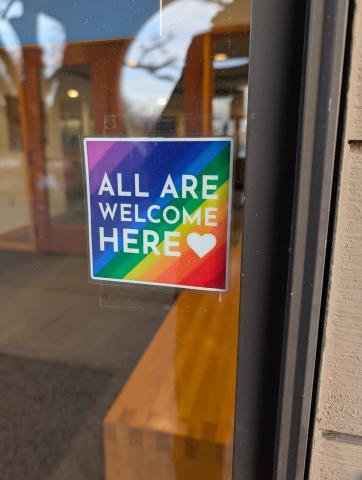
x=96 y=152
x=105 y=158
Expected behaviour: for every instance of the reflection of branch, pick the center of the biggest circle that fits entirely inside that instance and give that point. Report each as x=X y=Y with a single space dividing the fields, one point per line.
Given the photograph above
x=159 y=49
x=8 y=35
x=154 y=69
x=12 y=9
x=157 y=43
x=6 y=8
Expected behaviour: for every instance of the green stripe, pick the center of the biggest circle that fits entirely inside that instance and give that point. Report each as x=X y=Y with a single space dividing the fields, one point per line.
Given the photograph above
x=123 y=263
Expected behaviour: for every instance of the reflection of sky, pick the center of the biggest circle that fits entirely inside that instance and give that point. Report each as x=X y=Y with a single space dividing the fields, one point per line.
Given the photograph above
x=50 y=35
x=51 y=38
x=50 y=23
x=157 y=61
x=85 y=20
x=10 y=10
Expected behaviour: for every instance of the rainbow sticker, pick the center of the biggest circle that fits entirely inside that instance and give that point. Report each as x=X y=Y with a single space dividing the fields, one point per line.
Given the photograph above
x=159 y=210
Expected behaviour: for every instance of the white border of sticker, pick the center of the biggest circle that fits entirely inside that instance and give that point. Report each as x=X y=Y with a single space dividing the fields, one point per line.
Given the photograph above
x=159 y=139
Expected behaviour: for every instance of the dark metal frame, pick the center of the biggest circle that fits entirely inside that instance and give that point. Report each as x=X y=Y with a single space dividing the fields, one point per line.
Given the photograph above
x=297 y=57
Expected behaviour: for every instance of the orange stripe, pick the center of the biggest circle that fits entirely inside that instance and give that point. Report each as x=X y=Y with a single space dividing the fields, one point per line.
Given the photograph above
x=220 y=231
x=189 y=261
x=169 y=263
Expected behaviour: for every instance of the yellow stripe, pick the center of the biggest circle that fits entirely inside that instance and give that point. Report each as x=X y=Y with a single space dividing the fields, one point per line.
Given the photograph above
x=151 y=260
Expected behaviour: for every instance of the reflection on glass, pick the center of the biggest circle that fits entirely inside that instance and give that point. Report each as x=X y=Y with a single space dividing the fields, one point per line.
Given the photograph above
x=14 y=195
x=158 y=60
x=68 y=115
x=230 y=64
x=174 y=417
x=173 y=420
x=135 y=382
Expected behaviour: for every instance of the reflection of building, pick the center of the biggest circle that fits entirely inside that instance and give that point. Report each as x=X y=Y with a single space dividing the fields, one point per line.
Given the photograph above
x=90 y=89
x=43 y=207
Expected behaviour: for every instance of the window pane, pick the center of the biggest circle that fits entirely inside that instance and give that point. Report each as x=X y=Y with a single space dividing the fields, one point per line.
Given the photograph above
x=103 y=381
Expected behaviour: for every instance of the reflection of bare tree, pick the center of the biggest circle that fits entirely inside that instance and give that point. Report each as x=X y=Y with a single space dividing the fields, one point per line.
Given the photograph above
x=159 y=50
x=50 y=35
x=154 y=63
x=159 y=43
x=10 y=9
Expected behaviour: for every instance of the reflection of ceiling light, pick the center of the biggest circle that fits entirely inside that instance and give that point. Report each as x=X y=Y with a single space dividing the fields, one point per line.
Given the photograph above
x=132 y=63
x=220 y=57
x=231 y=63
x=161 y=101
x=73 y=93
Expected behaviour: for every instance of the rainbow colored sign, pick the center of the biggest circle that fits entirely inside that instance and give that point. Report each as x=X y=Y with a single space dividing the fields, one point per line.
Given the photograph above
x=159 y=210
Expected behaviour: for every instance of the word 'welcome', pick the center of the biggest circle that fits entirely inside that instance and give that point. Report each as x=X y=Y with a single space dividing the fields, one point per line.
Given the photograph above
x=134 y=240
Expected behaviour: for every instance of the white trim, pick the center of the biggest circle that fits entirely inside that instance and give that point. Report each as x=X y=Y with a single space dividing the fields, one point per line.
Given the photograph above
x=157 y=139
x=174 y=285
x=161 y=18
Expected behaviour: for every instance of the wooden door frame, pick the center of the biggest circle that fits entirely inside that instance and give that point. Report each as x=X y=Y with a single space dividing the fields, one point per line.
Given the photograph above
x=45 y=235
x=48 y=236
x=199 y=77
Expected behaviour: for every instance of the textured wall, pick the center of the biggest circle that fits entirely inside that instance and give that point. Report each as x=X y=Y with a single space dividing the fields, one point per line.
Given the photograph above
x=337 y=453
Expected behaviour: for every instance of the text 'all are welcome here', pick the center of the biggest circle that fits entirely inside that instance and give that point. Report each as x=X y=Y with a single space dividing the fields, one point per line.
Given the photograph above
x=159 y=210
x=148 y=240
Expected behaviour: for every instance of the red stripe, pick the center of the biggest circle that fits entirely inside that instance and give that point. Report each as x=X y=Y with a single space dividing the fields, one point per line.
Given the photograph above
x=211 y=273
x=189 y=262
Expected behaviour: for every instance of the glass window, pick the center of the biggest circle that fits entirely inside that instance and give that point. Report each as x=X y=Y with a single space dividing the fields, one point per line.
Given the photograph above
x=111 y=382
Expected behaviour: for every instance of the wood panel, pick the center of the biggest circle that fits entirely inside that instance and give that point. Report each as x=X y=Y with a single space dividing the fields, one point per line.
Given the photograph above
x=198 y=80
x=106 y=68
x=174 y=417
x=33 y=132
x=105 y=60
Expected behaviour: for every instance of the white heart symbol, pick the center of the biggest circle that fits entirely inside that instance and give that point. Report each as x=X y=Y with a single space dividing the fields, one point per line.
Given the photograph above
x=201 y=244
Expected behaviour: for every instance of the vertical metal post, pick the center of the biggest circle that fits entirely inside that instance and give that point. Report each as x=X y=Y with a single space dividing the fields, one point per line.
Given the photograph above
x=296 y=64
x=325 y=54
x=275 y=85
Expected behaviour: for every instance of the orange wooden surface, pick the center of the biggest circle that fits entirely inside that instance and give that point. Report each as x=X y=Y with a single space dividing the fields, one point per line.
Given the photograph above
x=174 y=417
